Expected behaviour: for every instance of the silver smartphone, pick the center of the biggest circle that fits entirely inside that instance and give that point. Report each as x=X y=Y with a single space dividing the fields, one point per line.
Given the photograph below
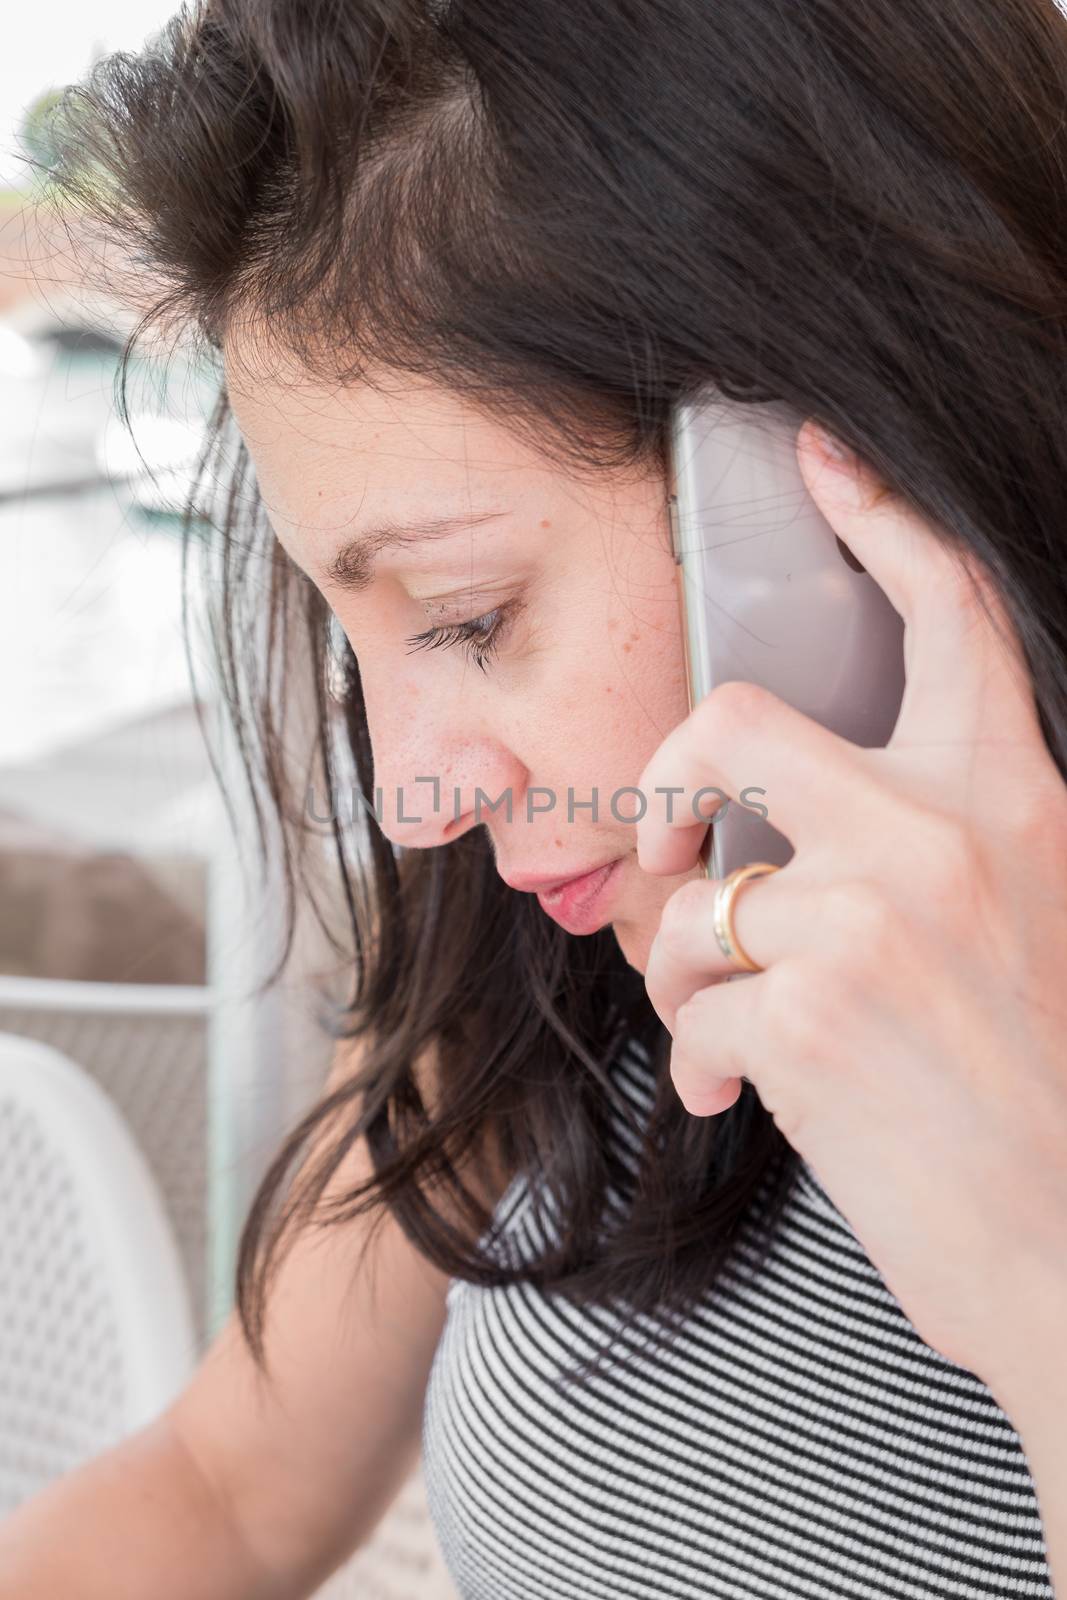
x=770 y=594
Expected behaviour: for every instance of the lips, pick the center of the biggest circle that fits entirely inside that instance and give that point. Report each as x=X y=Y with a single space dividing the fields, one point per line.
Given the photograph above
x=534 y=884
x=583 y=904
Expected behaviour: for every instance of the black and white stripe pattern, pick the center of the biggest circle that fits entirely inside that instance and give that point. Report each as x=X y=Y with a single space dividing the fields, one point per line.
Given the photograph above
x=797 y=1441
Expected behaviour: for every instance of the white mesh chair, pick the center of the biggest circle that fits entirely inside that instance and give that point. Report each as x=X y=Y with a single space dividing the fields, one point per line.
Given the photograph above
x=146 y=1047
x=96 y=1328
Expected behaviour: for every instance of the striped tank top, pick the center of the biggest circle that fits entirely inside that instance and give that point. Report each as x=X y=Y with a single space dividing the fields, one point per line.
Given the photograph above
x=795 y=1439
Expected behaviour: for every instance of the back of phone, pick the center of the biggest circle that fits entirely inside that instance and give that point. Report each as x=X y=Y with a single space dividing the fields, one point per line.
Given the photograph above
x=769 y=595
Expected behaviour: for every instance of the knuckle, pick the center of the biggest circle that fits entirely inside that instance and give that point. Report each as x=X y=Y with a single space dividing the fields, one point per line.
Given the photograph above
x=866 y=923
x=944 y=858
x=729 y=706
x=691 y=1021
x=802 y=1007
x=680 y=916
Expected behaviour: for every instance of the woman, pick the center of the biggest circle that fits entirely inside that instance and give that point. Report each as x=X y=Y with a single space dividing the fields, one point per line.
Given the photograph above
x=710 y=1289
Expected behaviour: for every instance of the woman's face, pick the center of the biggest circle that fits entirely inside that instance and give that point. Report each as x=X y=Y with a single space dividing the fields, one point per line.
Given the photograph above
x=585 y=674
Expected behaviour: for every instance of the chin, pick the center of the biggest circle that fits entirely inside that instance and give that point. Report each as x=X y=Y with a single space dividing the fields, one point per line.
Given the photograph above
x=634 y=942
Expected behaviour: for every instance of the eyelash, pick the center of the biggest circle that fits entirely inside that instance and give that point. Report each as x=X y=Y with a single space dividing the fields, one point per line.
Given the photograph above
x=481 y=635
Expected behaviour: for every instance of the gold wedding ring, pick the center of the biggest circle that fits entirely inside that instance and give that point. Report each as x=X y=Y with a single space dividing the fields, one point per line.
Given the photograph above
x=723 y=913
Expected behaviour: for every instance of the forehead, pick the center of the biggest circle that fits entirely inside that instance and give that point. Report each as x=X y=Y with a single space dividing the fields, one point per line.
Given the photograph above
x=394 y=448
x=386 y=434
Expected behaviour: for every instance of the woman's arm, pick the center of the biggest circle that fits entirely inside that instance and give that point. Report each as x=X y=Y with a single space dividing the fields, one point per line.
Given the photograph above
x=139 y=1519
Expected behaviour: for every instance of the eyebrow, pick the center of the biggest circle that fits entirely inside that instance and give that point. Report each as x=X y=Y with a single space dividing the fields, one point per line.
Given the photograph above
x=352 y=568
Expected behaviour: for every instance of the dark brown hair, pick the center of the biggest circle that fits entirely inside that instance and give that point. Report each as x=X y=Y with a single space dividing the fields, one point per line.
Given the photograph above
x=577 y=213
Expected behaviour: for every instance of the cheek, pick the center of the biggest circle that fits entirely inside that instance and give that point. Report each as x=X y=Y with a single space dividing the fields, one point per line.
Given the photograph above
x=643 y=677
x=626 y=688
x=613 y=723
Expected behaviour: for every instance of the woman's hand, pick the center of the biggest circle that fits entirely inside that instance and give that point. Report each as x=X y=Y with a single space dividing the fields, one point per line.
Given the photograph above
x=909 y=1031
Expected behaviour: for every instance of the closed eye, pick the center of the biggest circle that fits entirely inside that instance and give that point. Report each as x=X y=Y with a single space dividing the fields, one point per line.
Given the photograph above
x=481 y=635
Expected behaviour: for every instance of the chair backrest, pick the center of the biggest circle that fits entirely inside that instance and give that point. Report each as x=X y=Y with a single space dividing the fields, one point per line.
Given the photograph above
x=146 y=1046
x=96 y=1328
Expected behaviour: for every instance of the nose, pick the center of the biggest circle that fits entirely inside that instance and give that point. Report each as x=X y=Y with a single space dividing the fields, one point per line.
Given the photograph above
x=437 y=800
x=435 y=777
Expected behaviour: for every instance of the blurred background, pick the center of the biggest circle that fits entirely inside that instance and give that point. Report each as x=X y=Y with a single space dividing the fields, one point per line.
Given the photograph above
x=144 y=1085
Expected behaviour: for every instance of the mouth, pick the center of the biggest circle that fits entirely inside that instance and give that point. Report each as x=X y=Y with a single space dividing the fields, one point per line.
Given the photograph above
x=578 y=903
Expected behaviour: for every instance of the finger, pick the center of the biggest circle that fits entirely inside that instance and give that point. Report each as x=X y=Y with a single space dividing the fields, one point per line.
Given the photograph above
x=700 y=1091
x=968 y=683
x=742 y=739
x=768 y=918
x=704 y=1066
